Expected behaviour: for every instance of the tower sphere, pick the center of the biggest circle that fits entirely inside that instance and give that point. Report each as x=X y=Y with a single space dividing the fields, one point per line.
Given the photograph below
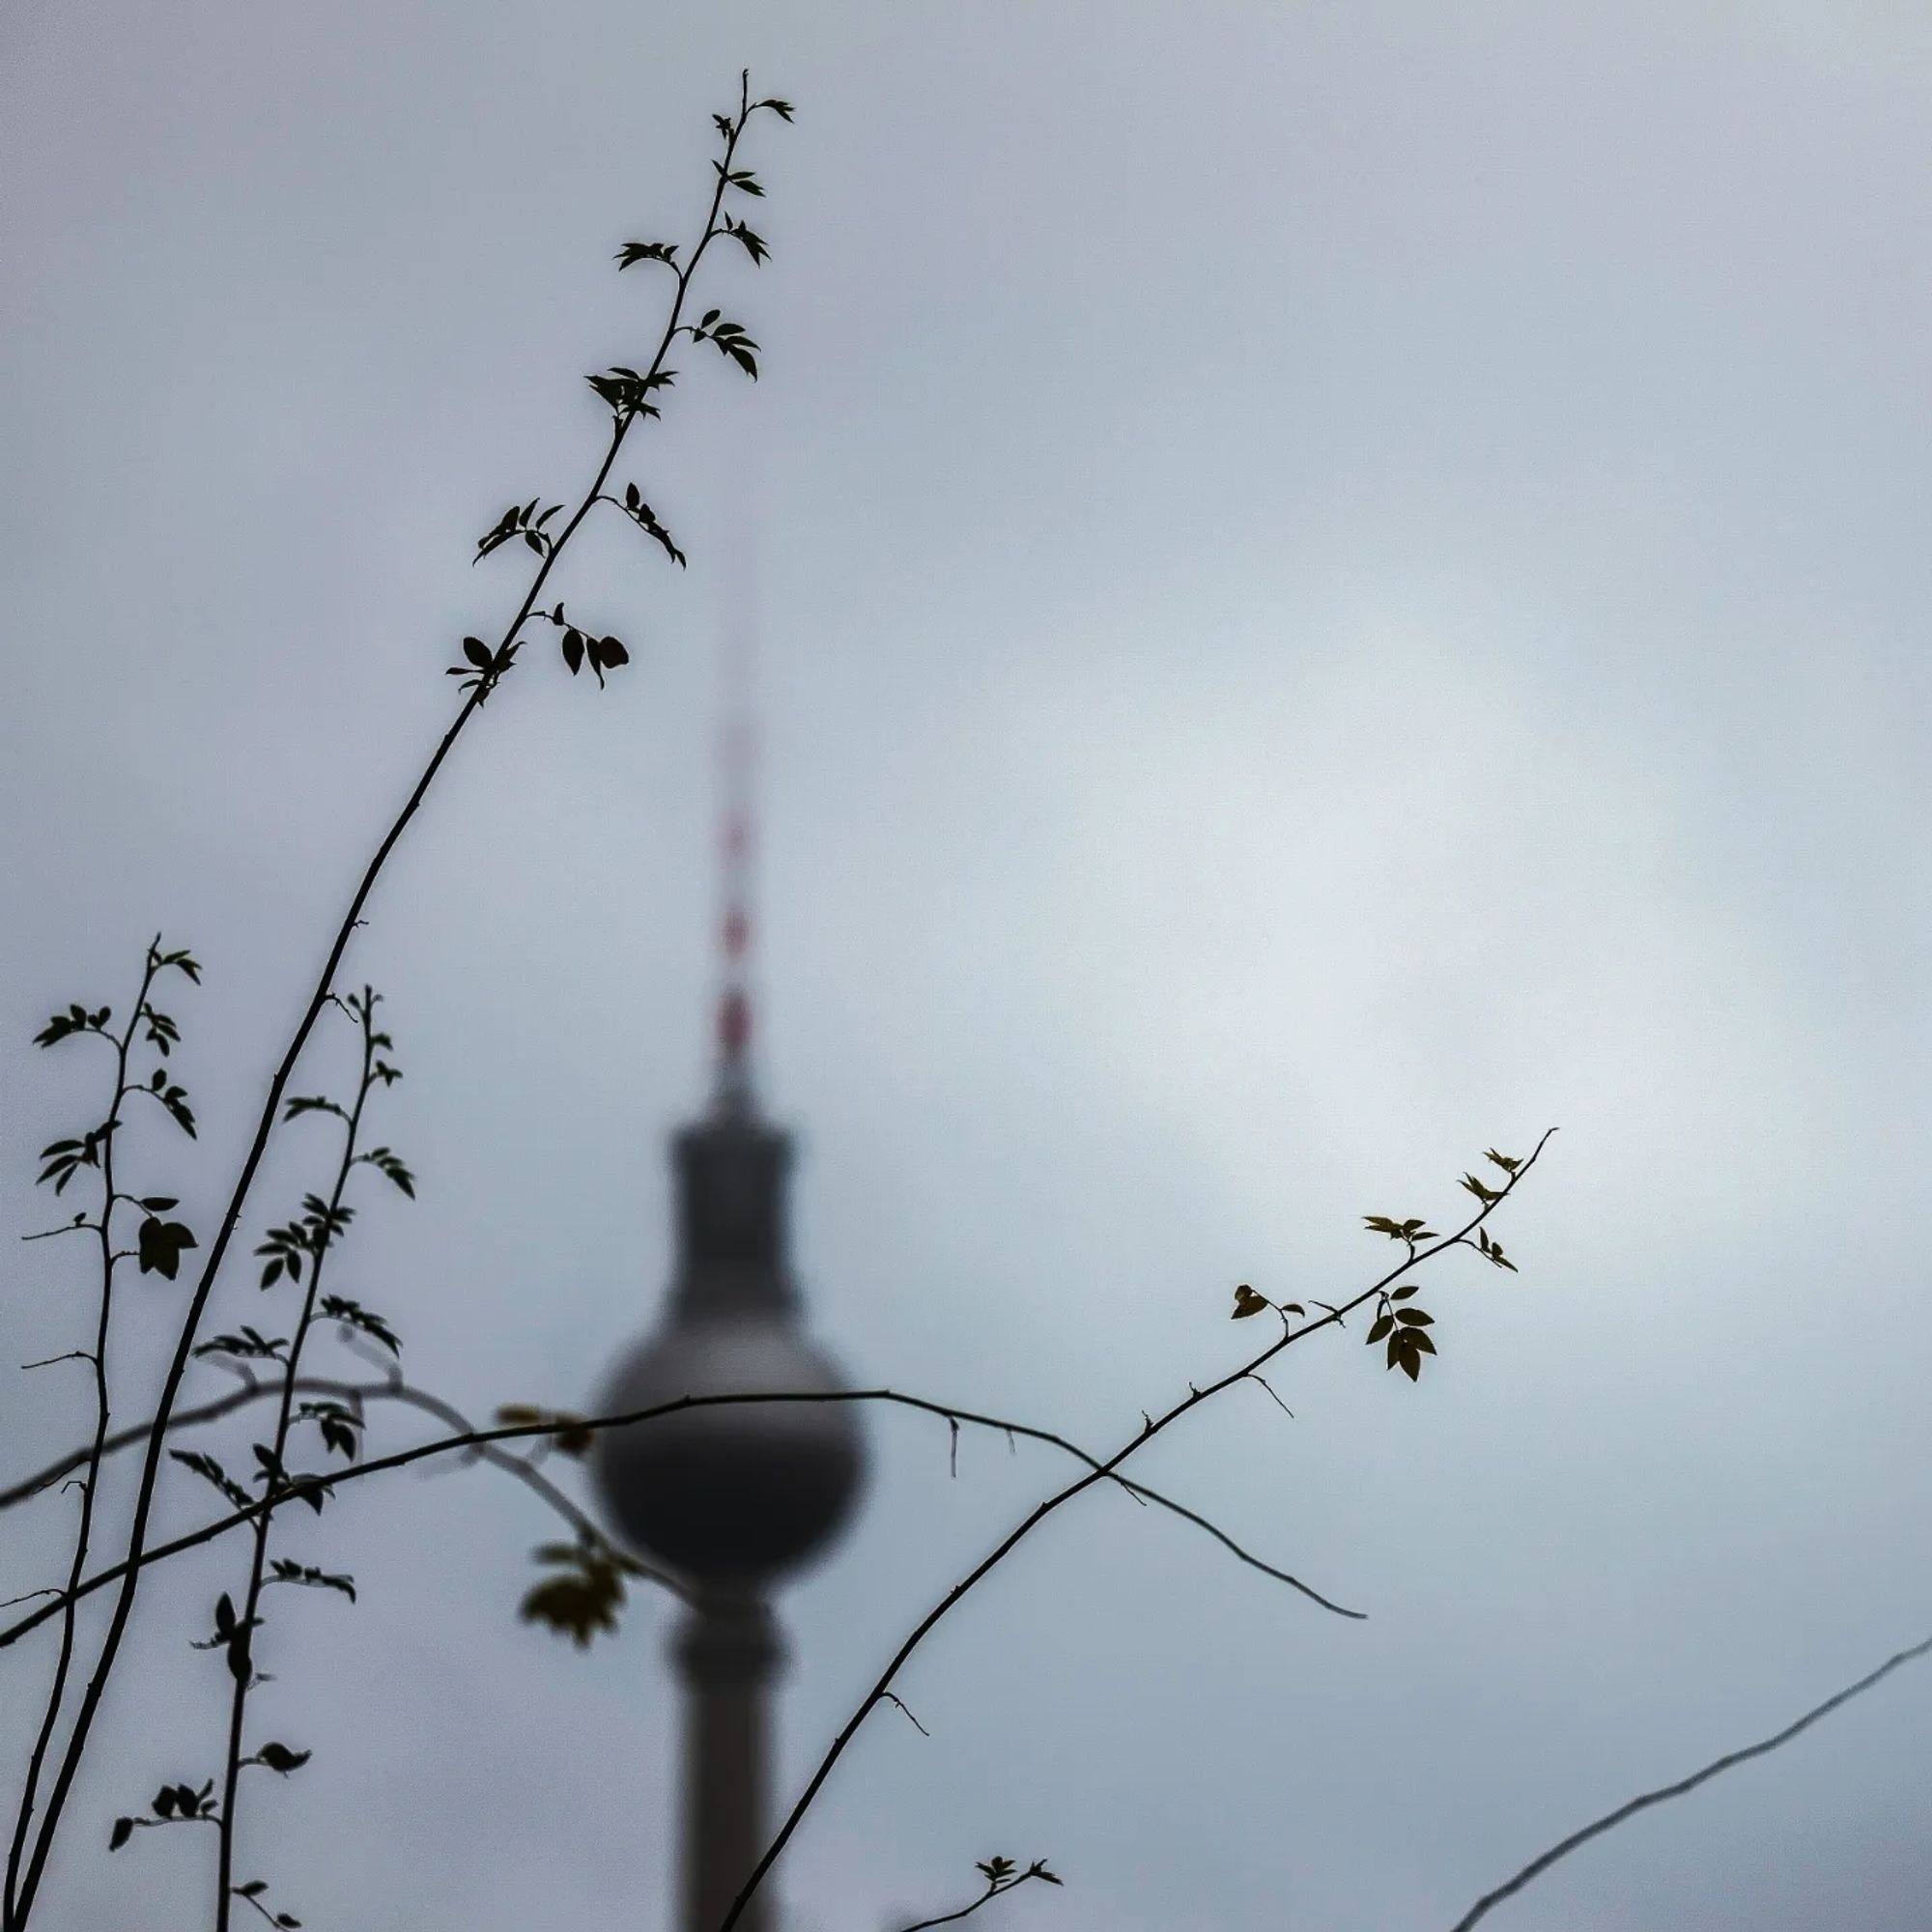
x=733 y=1495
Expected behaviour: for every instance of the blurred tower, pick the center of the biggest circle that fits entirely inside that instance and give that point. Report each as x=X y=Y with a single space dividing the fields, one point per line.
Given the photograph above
x=732 y=1499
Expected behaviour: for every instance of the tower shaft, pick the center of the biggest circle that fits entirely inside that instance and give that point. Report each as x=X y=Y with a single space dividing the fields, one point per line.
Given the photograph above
x=728 y=1651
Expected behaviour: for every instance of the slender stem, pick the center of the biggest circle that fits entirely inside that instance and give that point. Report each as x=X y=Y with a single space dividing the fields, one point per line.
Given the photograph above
x=1155 y=1426
x=326 y=1236
x=392 y=1389
x=1610 y=1819
x=480 y=1441
x=93 y=1455
x=131 y=1570
x=996 y=1888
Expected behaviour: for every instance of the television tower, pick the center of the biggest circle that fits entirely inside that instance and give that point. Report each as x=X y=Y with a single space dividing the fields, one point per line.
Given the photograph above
x=734 y=1498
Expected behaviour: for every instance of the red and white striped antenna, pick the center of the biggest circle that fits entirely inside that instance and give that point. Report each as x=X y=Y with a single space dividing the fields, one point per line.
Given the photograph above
x=737 y=761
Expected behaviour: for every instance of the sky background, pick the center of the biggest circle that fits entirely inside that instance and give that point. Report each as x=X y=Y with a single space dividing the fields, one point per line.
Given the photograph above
x=1338 y=585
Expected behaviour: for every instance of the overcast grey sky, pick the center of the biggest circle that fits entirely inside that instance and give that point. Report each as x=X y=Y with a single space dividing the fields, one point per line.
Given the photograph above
x=1338 y=585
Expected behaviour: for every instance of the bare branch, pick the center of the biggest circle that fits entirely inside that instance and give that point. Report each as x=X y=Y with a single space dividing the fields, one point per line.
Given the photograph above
x=1022 y=1530
x=1000 y=1879
x=1612 y=1819
x=471 y=1440
x=477 y=690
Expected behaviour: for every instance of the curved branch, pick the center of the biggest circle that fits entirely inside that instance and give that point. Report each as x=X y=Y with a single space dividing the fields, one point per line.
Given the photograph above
x=390 y=1389
x=1014 y=1537
x=19 y=1906
x=1612 y=1819
x=480 y=1441
x=998 y=1885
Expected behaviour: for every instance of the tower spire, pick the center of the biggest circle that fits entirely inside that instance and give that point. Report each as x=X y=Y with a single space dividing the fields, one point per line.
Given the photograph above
x=737 y=755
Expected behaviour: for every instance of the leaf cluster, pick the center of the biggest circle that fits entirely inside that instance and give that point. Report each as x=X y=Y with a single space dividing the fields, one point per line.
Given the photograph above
x=231 y=1636
x=729 y=337
x=753 y=245
x=161 y=1243
x=338 y=1423
x=1002 y=1872
x=640 y=513
x=173 y=1098
x=1492 y=1251
x=210 y=1470
x=319 y=1225
x=520 y=520
x=287 y=1570
x=573 y=1438
x=1403 y=1330
x=585 y=1591
x=602 y=654
x=314 y=1103
x=162 y=1033
x=387 y=1162
x=252 y=1891
x=77 y=1019
x=627 y=393
x=353 y=1315
x=1412 y=1230
x=634 y=252
x=172 y=1804
x=581 y=647
x=65 y=1158
x=275 y=1479
x=249 y=1344
x=481 y=671
x=279 y=1758
x=1249 y=1302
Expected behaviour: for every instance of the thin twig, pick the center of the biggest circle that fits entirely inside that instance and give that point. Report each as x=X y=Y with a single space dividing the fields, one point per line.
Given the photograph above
x=892 y=1697
x=469 y=1440
x=1612 y=1819
x=1059 y=1500
x=132 y=1568
x=326 y=1231
x=11 y=1913
x=996 y=1888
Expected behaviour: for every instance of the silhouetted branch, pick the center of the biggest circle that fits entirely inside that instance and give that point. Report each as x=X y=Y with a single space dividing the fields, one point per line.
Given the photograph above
x=16 y=1847
x=1418 y=1252
x=389 y=1389
x=480 y=1439
x=629 y=395
x=1664 y=1793
x=327 y=1226
x=1001 y=1878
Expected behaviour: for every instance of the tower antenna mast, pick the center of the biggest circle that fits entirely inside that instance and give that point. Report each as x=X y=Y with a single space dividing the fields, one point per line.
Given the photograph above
x=737 y=763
